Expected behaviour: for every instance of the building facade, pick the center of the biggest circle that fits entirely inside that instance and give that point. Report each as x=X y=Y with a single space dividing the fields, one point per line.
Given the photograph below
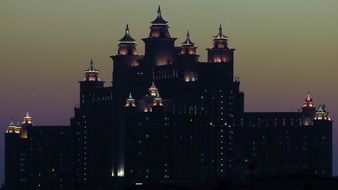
x=38 y=157
x=170 y=118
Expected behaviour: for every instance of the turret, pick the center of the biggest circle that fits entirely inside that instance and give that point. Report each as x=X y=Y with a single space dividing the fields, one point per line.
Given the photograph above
x=220 y=40
x=27 y=119
x=130 y=102
x=91 y=74
x=125 y=58
x=88 y=85
x=322 y=114
x=308 y=111
x=159 y=46
x=223 y=56
x=188 y=58
x=26 y=123
x=187 y=51
x=13 y=128
x=220 y=52
x=127 y=44
x=159 y=27
x=153 y=91
x=322 y=118
x=151 y=101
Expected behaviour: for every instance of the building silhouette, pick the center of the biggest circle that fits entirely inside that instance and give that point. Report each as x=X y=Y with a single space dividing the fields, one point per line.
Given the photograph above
x=167 y=118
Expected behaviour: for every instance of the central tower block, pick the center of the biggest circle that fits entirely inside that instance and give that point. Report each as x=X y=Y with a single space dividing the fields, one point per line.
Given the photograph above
x=159 y=46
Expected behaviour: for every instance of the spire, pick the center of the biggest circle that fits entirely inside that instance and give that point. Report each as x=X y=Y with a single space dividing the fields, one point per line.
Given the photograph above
x=220 y=30
x=130 y=102
x=127 y=29
x=308 y=101
x=308 y=95
x=27 y=119
x=91 y=74
x=188 y=47
x=127 y=37
x=13 y=128
x=220 y=42
x=91 y=68
x=159 y=11
x=322 y=114
x=187 y=39
x=11 y=124
x=153 y=91
x=220 y=34
x=130 y=97
x=159 y=20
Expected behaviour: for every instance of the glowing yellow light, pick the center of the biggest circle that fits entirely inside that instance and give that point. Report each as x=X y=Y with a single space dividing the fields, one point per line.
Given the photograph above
x=217 y=60
x=27 y=119
x=130 y=102
x=157 y=103
x=24 y=134
x=120 y=173
x=153 y=90
x=123 y=52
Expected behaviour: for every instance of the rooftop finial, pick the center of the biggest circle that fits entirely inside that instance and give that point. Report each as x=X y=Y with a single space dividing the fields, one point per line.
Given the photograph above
x=130 y=97
x=27 y=119
x=220 y=34
x=308 y=100
x=91 y=74
x=153 y=89
x=127 y=29
x=220 y=30
x=91 y=64
x=130 y=102
x=187 y=39
x=159 y=19
x=159 y=11
x=11 y=123
x=127 y=37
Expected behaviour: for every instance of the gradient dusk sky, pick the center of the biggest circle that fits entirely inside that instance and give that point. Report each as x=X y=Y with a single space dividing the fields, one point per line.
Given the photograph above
x=284 y=49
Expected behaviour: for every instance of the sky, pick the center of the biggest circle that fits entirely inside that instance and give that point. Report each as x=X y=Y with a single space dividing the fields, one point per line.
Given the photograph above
x=283 y=50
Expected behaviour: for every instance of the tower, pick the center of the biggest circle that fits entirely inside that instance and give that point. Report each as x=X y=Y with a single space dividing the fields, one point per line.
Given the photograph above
x=88 y=85
x=188 y=50
x=13 y=128
x=13 y=152
x=221 y=54
x=26 y=123
x=125 y=58
x=323 y=122
x=188 y=59
x=322 y=114
x=308 y=111
x=159 y=46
